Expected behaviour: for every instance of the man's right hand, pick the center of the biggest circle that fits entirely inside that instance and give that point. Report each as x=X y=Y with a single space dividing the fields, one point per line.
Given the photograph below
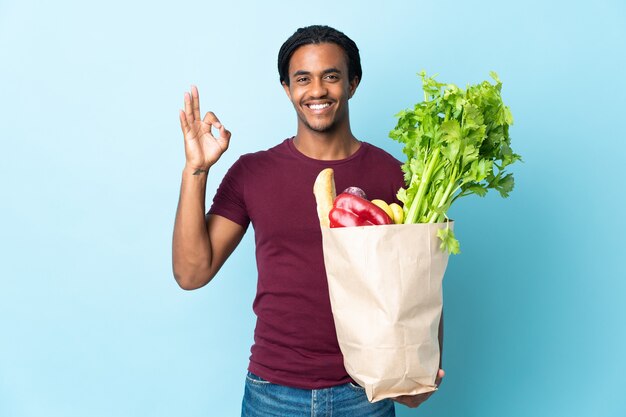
x=202 y=149
x=201 y=243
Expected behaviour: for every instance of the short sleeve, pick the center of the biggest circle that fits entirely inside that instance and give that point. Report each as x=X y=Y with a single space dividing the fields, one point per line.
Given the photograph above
x=229 y=199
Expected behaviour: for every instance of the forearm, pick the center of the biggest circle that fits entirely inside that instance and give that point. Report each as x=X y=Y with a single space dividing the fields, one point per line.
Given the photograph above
x=191 y=247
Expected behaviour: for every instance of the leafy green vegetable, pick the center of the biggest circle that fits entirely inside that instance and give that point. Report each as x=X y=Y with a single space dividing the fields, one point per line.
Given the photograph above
x=448 y=241
x=457 y=143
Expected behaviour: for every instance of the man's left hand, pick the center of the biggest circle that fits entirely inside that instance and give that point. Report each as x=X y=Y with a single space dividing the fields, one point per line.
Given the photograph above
x=413 y=401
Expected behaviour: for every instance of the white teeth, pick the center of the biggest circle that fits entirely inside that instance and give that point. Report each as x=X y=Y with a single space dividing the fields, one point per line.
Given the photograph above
x=318 y=106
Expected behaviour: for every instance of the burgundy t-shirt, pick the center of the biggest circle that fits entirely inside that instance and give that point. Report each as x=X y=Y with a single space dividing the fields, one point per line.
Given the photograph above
x=295 y=342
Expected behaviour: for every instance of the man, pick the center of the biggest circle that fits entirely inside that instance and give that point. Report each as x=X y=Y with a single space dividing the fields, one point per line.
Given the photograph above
x=296 y=367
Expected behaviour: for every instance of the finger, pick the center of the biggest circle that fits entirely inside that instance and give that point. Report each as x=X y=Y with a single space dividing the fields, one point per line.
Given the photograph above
x=212 y=119
x=183 y=122
x=224 y=138
x=195 y=101
x=224 y=133
x=188 y=109
x=440 y=376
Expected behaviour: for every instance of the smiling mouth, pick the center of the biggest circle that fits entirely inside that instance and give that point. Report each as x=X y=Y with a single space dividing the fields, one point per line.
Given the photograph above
x=318 y=106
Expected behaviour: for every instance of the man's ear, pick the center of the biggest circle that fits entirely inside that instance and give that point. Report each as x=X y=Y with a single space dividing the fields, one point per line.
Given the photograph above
x=353 y=85
x=286 y=88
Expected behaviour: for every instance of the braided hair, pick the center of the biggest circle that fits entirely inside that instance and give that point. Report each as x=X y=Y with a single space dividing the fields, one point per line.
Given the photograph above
x=317 y=34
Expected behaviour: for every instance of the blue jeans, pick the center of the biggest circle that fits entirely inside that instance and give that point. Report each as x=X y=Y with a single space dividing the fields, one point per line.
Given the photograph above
x=262 y=399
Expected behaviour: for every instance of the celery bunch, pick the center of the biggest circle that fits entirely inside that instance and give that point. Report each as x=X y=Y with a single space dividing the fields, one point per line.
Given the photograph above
x=457 y=143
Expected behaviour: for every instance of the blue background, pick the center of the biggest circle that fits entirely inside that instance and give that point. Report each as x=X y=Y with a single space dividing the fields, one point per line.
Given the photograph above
x=91 y=319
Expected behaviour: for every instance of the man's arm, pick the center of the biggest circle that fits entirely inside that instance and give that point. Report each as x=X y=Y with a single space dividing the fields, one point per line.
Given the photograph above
x=200 y=244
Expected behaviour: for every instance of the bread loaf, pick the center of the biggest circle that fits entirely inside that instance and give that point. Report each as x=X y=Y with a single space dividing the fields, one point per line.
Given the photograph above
x=324 y=190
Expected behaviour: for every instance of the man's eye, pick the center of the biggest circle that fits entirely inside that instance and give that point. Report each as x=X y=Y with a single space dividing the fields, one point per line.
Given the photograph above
x=301 y=79
x=332 y=77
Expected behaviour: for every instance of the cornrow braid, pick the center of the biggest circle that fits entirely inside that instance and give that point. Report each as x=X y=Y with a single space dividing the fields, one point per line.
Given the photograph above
x=317 y=34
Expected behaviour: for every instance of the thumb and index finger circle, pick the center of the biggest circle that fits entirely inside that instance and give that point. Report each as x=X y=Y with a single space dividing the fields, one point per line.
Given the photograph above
x=211 y=118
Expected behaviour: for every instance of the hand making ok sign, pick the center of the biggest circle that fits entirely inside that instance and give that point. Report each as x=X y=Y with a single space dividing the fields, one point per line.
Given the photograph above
x=202 y=148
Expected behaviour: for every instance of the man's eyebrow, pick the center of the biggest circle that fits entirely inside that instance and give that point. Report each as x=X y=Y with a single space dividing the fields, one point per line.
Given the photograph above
x=326 y=71
x=330 y=70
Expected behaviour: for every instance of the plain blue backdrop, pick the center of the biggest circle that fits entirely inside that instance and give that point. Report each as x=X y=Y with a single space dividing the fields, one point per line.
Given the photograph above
x=91 y=319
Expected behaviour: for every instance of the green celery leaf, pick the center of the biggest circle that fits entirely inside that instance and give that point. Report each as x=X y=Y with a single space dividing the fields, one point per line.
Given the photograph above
x=495 y=77
x=448 y=241
x=401 y=195
x=477 y=189
x=505 y=185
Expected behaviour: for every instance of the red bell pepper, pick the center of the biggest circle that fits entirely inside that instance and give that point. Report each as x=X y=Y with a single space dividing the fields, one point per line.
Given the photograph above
x=351 y=210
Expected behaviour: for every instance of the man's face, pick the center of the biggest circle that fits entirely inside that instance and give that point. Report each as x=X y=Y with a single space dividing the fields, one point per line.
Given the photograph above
x=319 y=87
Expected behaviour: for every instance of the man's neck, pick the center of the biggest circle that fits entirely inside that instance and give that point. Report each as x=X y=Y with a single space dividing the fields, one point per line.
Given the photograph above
x=326 y=146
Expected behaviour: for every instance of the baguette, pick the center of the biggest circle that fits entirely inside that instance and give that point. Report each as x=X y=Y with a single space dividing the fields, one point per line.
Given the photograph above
x=324 y=190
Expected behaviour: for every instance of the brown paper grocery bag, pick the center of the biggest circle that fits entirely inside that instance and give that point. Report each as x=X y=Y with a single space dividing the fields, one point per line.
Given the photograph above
x=385 y=285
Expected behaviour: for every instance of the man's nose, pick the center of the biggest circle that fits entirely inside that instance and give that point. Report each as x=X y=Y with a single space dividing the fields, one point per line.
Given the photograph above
x=318 y=88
